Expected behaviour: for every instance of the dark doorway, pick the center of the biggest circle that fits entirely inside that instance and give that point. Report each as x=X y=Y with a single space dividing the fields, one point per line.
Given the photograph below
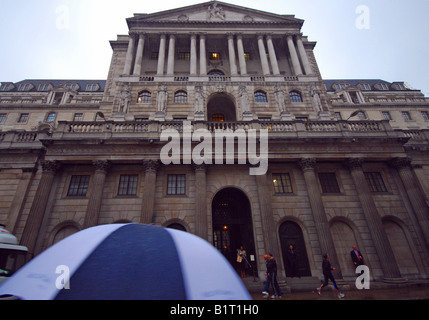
x=232 y=227
x=291 y=234
x=221 y=106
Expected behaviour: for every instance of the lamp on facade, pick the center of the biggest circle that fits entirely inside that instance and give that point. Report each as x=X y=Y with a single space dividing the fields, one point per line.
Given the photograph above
x=354 y=114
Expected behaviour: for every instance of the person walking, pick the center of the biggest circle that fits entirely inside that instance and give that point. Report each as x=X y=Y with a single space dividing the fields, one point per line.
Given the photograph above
x=327 y=273
x=271 y=274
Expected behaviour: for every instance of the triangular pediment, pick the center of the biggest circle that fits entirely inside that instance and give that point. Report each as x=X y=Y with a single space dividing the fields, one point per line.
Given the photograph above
x=215 y=12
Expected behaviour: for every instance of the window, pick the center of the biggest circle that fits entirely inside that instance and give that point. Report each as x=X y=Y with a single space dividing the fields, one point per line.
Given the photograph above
x=92 y=87
x=282 y=183
x=154 y=56
x=386 y=115
x=295 y=97
x=260 y=97
x=382 y=86
x=247 y=56
x=218 y=118
x=128 y=185
x=365 y=86
x=186 y=56
x=78 y=186
x=23 y=118
x=145 y=97
x=214 y=56
x=51 y=117
x=3 y=118
x=71 y=86
x=44 y=87
x=375 y=182
x=216 y=73
x=78 y=117
x=328 y=182
x=24 y=87
x=362 y=115
x=340 y=86
x=6 y=87
x=180 y=97
x=338 y=116
x=406 y=115
x=176 y=184
x=425 y=115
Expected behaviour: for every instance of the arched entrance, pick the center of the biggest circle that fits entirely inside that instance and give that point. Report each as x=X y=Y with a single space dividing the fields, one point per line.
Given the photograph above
x=232 y=225
x=291 y=234
x=221 y=108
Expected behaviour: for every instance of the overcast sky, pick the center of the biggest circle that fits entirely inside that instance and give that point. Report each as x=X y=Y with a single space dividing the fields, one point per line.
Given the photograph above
x=356 y=39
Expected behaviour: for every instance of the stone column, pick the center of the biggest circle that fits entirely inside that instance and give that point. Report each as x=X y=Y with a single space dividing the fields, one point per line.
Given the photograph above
x=193 y=62
x=378 y=234
x=171 y=55
x=139 y=56
x=263 y=55
x=303 y=55
x=203 y=55
x=201 y=225
x=320 y=220
x=273 y=57
x=417 y=199
x=148 y=205
x=96 y=193
x=161 y=55
x=293 y=55
x=232 y=59
x=130 y=56
x=241 y=57
x=38 y=208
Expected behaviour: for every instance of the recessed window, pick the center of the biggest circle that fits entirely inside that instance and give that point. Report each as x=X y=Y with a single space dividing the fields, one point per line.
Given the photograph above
x=78 y=186
x=375 y=182
x=51 y=117
x=92 y=87
x=24 y=87
x=328 y=182
x=180 y=97
x=260 y=97
x=78 y=117
x=282 y=183
x=44 y=87
x=23 y=118
x=382 y=86
x=5 y=87
x=295 y=96
x=386 y=115
x=218 y=118
x=128 y=185
x=145 y=97
x=406 y=115
x=365 y=86
x=3 y=117
x=71 y=86
x=214 y=56
x=185 y=56
x=176 y=184
x=425 y=115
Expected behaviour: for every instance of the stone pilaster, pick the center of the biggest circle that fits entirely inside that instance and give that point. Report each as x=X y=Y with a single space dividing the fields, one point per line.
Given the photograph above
x=150 y=167
x=201 y=224
x=378 y=234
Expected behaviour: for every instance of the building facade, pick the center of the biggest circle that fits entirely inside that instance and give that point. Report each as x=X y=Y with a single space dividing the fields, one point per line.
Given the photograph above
x=348 y=160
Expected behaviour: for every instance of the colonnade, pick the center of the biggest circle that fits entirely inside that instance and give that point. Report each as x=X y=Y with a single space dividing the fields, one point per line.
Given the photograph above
x=296 y=51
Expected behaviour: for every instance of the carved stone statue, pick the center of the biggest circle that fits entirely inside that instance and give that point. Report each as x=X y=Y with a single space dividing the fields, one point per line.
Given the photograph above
x=199 y=100
x=215 y=12
x=316 y=99
x=244 y=98
x=280 y=97
x=125 y=97
x=161 y=100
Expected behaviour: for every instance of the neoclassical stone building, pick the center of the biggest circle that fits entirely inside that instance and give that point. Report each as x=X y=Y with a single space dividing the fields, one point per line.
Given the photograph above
x=348 y=160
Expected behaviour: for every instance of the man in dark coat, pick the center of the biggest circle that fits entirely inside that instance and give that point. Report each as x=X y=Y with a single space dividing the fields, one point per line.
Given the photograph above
x=271 y=277
x=357 y=257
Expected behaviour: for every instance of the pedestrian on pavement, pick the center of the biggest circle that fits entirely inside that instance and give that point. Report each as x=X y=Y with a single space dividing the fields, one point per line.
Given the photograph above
x=292 y=262
x=327 y=273
x=271 y=277
x=241 y=260
x=357 y=257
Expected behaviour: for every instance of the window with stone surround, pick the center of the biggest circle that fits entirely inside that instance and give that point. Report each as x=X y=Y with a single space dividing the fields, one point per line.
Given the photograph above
x=295 y=97
x=282 y=183
x=78 y=186
x=176 y=184
x=328 y=182
x=128 y=185
x=375 y=182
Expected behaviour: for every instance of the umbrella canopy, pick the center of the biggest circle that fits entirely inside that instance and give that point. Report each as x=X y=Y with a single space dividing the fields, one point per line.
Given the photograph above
x=128 y=261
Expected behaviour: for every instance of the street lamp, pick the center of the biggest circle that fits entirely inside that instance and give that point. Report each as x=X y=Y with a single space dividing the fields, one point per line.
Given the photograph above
x=354 y=114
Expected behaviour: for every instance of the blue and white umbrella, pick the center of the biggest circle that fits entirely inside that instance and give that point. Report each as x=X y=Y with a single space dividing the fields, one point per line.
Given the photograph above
x=132 y=262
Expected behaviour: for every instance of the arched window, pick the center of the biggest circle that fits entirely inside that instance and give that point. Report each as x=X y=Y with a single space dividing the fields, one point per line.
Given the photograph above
x=181 y=97
x=216 y=72
x=260 y=96
x=295 y=96
x=145 y=97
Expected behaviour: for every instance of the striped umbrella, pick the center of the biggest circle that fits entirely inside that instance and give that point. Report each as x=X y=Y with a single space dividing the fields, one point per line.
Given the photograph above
x=128 y=262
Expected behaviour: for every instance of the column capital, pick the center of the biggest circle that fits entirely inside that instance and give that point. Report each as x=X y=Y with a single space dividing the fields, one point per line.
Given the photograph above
x=401 y=163
x=200 y=168
x=101 y=165
x=50 y=166
x=307 y=164
x=354 y=163
x=151 y=166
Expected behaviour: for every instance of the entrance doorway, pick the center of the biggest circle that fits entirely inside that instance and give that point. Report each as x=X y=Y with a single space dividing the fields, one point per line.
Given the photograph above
x=291 y=234
x=221 y=108
x=232 y=227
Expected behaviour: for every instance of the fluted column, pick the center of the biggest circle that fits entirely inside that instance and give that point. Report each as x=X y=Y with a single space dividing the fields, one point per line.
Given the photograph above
x=203 y=55
x=303 y=55
x=273 y=57
x=232 y=59
x=171 y=55
x=375 y=225
x=241 y=57
x=263 y=55
x=139 y=56
x=295 y=61
x=417 y=199
x=150 y=167
x=38 y=208
x=161 y=55
x=130 y=56
x=320 y=220
x=96 y=193
x=193 y=62
x=201 y=225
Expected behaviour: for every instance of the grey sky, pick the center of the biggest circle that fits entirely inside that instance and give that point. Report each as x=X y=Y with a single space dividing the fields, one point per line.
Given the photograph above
x=356 y=39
